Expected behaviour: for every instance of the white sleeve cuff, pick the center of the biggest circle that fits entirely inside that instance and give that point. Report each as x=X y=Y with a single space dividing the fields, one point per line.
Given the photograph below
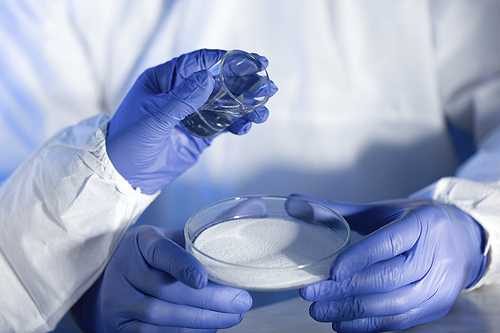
x=481 y=200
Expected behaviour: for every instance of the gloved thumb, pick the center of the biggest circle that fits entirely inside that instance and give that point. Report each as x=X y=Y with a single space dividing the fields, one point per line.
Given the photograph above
x=185 y=98
x=343 y=208
x=166 y=255
x=361 y=217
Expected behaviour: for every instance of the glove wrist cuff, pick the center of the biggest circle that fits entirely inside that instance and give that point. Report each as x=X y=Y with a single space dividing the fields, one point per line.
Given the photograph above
x=485 y=247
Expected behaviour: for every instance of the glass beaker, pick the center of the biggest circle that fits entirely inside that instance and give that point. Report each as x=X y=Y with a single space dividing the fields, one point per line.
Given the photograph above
x=241 y=86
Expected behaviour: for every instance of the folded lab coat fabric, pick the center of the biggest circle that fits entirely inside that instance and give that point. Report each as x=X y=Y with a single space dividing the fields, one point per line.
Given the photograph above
x=63 y=213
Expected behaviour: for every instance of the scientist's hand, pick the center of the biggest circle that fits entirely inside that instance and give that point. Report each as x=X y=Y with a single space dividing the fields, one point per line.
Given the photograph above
x=409 y=270
x=145 y=142
x=152 y=285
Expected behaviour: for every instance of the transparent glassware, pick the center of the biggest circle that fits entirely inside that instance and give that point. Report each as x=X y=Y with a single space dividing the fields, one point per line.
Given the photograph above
x=241 y=86
x=266 y=243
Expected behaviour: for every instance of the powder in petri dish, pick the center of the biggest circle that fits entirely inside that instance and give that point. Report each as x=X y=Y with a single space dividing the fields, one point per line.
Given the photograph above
x=272 y=243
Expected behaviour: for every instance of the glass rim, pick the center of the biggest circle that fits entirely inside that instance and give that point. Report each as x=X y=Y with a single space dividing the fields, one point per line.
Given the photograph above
x=281 y=197
x=223 y=80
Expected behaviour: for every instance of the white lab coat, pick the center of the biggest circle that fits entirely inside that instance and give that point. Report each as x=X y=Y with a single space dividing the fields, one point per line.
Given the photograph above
x=365 y=91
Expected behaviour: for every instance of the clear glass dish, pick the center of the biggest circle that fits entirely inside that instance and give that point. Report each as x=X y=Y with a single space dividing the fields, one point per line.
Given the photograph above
x=266 y=243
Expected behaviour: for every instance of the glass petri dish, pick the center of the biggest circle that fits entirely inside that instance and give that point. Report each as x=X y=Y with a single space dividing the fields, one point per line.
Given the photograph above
x=266 y=243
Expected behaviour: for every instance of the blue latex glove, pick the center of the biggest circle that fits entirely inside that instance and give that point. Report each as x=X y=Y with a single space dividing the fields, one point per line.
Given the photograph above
x=144 y=142
x=152 y=285
x=418 y=257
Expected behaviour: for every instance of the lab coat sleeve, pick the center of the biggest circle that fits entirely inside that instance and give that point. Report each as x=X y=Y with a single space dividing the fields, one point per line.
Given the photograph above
x=476 y=190
x=62 y=214
x=467 y=51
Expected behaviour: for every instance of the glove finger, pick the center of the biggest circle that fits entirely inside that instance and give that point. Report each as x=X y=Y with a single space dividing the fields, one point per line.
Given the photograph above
x=176 y=235
x=184 y=99
x=263 y=60
x=165 y=255
x=253 y=89
x=239 y=65
x=373 y=324
x=212 y=297
x=381 y=277
x=166 y=76
x=198 y=60
x=257 y=116
x=343 y=208
x=157 y=312
x=361 y=217
x=250 y=88
x=240 y=127
x=385 y=243
x=135 y=326
x=416 y=316
x=249 y=208
x=302 y=208
x=274 y=88
x=370 y=305
x=244 y=124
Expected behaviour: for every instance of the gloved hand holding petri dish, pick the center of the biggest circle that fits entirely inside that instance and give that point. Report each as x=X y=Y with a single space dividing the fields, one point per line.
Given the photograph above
x=241 y=86
x=266 y=243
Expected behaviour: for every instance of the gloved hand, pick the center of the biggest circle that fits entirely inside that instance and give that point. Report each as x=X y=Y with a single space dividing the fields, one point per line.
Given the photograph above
x=409 y=270
x=144 y=142
x=152 y=285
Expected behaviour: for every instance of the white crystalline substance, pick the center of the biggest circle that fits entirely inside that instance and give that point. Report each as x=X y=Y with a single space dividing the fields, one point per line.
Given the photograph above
x=273 y=247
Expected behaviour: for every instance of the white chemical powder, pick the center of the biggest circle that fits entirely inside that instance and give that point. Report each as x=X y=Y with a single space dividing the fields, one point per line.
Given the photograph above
x=271 y=249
